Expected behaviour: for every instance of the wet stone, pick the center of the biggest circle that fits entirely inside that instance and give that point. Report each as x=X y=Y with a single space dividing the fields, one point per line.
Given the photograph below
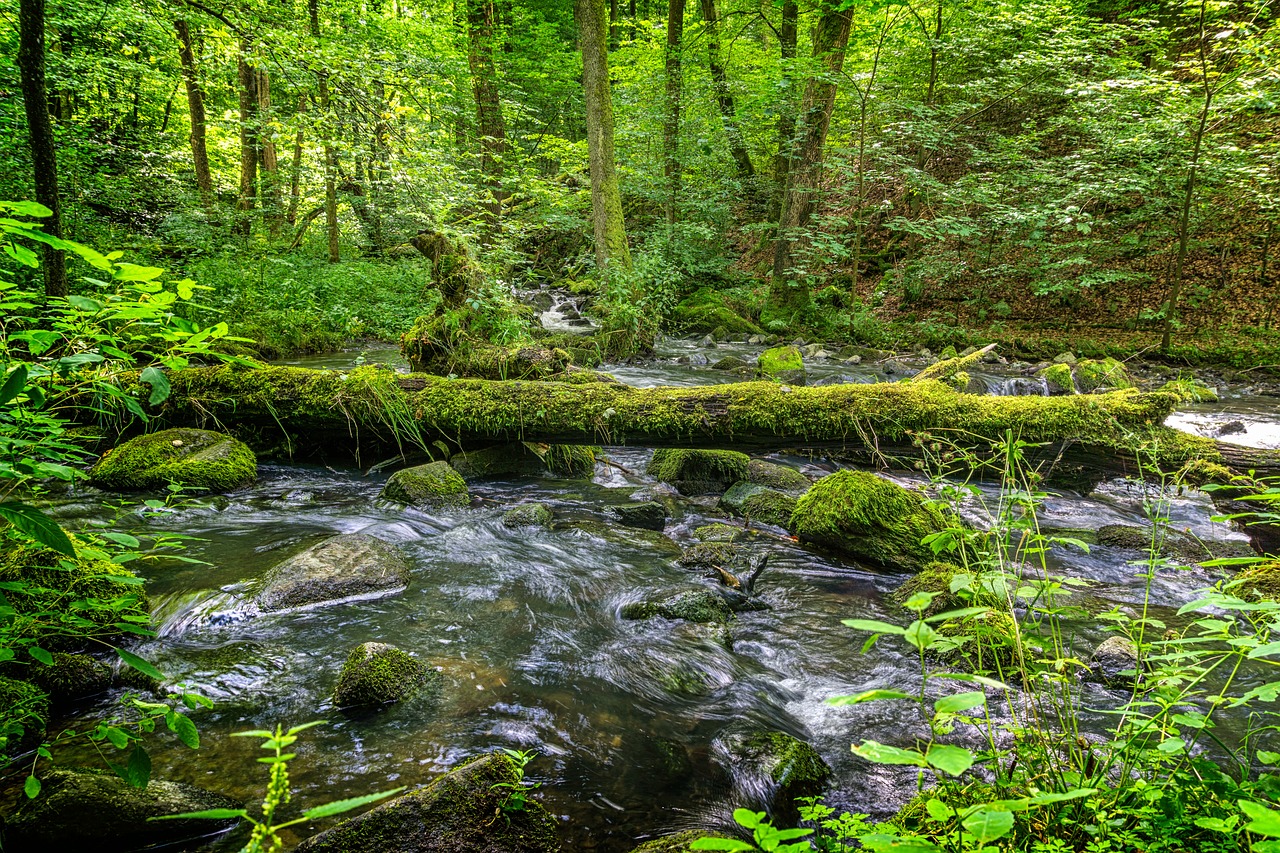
x=341 y=567
x=649 y=515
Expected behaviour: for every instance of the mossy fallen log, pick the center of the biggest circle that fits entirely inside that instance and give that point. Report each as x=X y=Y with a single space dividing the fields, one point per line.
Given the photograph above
x=375 y=405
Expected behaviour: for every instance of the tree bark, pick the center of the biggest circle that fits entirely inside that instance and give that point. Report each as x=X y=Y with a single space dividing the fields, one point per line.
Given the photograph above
x=830 y=38
x=44 y=157
x=330 y=156
x=484 y=81
x=725 y=100
x=272 y=201
x=606 y=197
x=787 y=116
x=671 y=127
x=248 y=79
x=295 y=167
x=195 y=104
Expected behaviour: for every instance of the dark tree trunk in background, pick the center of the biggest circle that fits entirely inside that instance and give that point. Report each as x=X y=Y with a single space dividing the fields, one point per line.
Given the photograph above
x=830 y=38
x=295 y=168
x=330 y=156
x=787 y=117
x=671 y=127
x=248 y=78
x=724 y=99
x=606 y=198
x=484 y=81
x=272 y=202
x=614 y=14
x=195 y=103
x=40 y=133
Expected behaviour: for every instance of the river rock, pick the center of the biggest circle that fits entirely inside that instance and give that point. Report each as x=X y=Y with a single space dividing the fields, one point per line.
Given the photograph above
x=528 y=515
x=101 y=812
x=197 y=459
x=784 y=364
x=649 y=515
x=696 y=605
x=520 y=460
x=1115 y=661
x=340 y=567
x=678 y=843
x=729 y=362
x=718 y=532
x=710 y=555
x=776 y=476
x=1174 y=543
x=461 y=812
x=868 y=518
x=1098 y=375
x=379 y=674
x=699 y=472
x=784 y=766
x=26 y=707
x=71 y=677
x=432 y=485
x=759 y=503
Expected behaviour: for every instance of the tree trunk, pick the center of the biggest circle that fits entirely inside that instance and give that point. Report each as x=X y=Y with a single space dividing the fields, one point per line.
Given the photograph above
x=787 y=116
x=606 y=198
x=725 y=101
x=248 y=140
x=830 y=38
x=484 y=81
x=330 y=157
x=671 y=127
x=40 y=134
x=295 y=167
x=272 y=202
x=195 y=103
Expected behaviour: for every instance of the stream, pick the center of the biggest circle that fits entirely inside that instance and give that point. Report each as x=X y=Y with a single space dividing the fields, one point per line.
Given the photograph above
x=628 y=718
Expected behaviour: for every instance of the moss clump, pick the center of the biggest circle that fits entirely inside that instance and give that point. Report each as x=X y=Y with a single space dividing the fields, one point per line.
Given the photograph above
x=571 y=460
x=24 y=709
x=71 y=677
x=780 y=477
x=378 y=674
x=705 y=311
x=1201 y=472
x=986 y=642
x=699 y=472
x=1058 y=379
x=708 y=555
x=718 y=533
x=678 y=843
x=195 y=458
x=700 y=605
x=770 y=507
x=1104 y=374
x=529 y=515
x=432 y=485
x=778 y=360
x=1190 y=390
x=1259 y=582
x=868 y=518
x=952 y=588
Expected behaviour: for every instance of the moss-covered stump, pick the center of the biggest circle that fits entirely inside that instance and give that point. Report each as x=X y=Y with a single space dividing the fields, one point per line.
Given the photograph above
x=649 y=515
x=951 y=587
x=788 y=767
x=520 y=459
x=528 y=515
x=195 y=458
x=759 y=503
x=705 y=311
x=699 y=472
x=868 y=518
x=347 y=566
x=698 y=605
x=1172 y=543
x=100 y=812
x=71 y=677
x=24 y=711
x=433 y=485
x=784 y=364
x=378 y=674
x=461 y=812
x=780 y=477
x=677 y=843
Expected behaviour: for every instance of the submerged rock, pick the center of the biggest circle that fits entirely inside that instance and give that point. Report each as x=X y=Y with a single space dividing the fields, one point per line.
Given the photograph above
x=528 y=515
x=461 y=812
x=379 y=674
x=340 y=567
x=699 y=472
x=431 y=485
x=718 y=533
x=707 y=555
x=649 y=515
x=868 y=518
x=784 y=766
x=938 y=578
x=101 y=812
x=195 y=458
x=1115 y=661
x=697 y=605
x=1173 y=543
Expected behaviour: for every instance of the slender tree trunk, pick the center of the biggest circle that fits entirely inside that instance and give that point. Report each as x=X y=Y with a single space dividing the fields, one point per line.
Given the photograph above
x=272 y=203
x=606 y=198
x=671 y=127
x=724 y=99
x=295 y=167
x=787 y=117
x=40 y=133
x=248 y=140
x=864 y=104
x=934 y=40
x=484 y=81
x=614 y=14
x=330 y=157
x=830 y=38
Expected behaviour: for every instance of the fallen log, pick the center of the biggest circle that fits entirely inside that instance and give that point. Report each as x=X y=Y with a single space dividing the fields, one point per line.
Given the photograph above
x=374 y=405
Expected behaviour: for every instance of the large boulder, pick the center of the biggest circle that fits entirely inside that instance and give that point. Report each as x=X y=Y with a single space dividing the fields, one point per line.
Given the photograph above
x=699 y=472
x=784 y=364
x=379 y=674
x=461 y=812
x=432 y=485
x=784 y=767
x=346 y=566
x=101 y=812
x=195 y=458
x=868 y=518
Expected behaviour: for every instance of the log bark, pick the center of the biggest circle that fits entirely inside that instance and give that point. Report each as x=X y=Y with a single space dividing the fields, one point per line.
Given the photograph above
x=375 y=406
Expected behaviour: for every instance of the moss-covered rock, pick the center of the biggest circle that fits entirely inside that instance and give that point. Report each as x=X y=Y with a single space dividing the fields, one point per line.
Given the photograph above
x=1115 y=661
x=788 y=766
x=1259 y=582
x=710 y=555
x=952 y=588
x=868 y=518
x=649 y=515
x=697 y=605
x=461 y=812
x=718 y=533
x=1190 y=390
x=519 y=459
x=71 y=677
x=1058 y=379
x=677 y=843
x=1172 y=543
x=988 y=642
x=101 y=812
x=528 y=515
x=705 y=311
x=783 y=363
x=195 y=458
x=24 y=711
x=759 y=503
x=352 y=565
x=780 y=477
x=1105 y=374
x=699 y=472
x=730 y=362
x=432 y=485
x=379 y=674
x=576 y=461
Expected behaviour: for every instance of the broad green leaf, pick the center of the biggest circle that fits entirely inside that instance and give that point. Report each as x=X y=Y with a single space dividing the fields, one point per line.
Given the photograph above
x=38 y=526
x=134 y=272
x=989 y=825
x=720 y=844
x=13 y=384
x=867 y=696
x=959 y=702
x=874 y=625
x=341 y=806
x=41 y=655
x=878 y=842
x=880 y=753
x=31 y=787
x=140 y=664
x=949 y=759
x=1265 y=650
x=210 y=814
x=181 y=725
x=939 y=810
x=138 y=771
x=33 y=209
x=1262 y=820
x=159 y=383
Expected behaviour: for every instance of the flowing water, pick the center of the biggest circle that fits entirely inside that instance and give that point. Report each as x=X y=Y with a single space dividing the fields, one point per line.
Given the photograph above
x=628 y=718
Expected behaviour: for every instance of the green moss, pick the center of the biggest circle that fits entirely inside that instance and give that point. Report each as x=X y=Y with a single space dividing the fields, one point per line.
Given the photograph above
x=701 y=606
x=678 y=843
x=195 y=458
x=770 y=507
x=1201 y=472
x=1059 y=379
x=697 y=472
x=71 y=677
x=779 y=477
x=571 y=460
x=791 y=762
x=528 y=515
x=984 y=643
x=432 y=485
x=705 y=311
x=1259 y=582
x=378 y=674
x=1190 y=390
x=952 y=588
x=24 y=710
x=718 y=533
x=868 y=518
x=706 y=555
x=779 y=360
x=1108 y=373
